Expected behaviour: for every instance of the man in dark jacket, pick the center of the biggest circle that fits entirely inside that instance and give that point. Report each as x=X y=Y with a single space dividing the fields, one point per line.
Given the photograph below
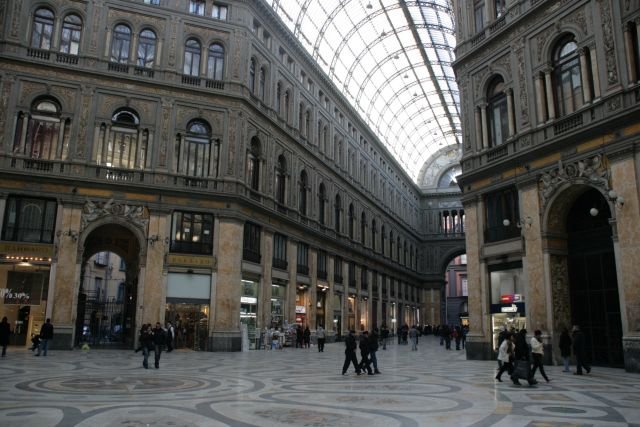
x=365 y=349
x=46 y=334
x=159 y=340
x=580 y=350
x=373 y=348
x=350 y=353
x=522 y=356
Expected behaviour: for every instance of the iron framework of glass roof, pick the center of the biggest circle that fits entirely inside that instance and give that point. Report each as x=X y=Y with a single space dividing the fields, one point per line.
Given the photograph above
x=392 y=59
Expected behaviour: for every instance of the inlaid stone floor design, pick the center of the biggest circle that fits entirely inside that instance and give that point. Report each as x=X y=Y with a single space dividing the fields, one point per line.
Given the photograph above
x=300 y=387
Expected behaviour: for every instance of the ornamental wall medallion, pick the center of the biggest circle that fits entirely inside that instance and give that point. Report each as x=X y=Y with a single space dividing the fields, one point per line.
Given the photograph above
x=135 y=214
x=592 y=171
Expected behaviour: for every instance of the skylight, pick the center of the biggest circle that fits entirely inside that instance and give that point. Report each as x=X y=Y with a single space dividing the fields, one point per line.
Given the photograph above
x=392 y=60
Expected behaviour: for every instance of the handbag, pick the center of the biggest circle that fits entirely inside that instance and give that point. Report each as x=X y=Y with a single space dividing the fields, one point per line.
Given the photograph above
x=521 y=370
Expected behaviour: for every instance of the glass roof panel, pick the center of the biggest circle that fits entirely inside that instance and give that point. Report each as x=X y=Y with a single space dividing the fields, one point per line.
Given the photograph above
x=392 y=60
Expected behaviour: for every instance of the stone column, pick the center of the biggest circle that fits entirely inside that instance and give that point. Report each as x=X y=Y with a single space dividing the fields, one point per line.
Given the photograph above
x=624 y=176
x=225 y=327
x=540 y=96
x=485 y=128
x=510 y=112
x=629 y=54
x=551 y=108
x=264 y=294
x=63 y=290
x=312 y=308
x=133 y=57
x=584 y=74
x=153 y=286
x=595 y=75
x=204 y=54
x=292 y=287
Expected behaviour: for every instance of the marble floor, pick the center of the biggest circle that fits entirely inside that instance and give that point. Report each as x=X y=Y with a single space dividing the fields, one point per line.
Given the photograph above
x=428 y=387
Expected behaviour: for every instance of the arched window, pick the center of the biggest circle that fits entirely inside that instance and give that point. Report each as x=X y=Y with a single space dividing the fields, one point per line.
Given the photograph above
x=391 y=244
x=70 y=35
x=383 y=237
x=120 y=44
x=198 y=154
x=261 y=83
x=337 y=210
x=567 y=77
x=498 y=113
x=253 y=164
x=307 y=124
x=192 y=58
x=352 y=221
x=302 y=193
x=124 y=145
x=363 y=229
x=322 y=195
x=374 y=232
x=42 y=29
x=146 y=49
x=287 y=105
x=279 y=98
x=399 y=248
x=215 y=62
x=281 y=176
x=42 y=139
x=252 y=76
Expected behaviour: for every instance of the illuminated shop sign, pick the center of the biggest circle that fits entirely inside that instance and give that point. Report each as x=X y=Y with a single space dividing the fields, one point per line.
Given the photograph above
x=506 y=299
x=300 y=309
x=512 y=308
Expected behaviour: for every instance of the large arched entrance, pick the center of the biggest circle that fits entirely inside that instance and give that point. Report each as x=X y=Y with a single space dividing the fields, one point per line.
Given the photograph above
x=593 y=285
x=107 y=295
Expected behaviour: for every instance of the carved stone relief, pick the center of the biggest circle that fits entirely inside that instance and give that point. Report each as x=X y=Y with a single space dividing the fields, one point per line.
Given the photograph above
x=541 y=42
x=108 y=104
x=7 y=86
x=592 y=171
x=578 y=19
x=67 y=95
x=560 y=292
x=15 y=23
x=175 y=22
x=87 y=97
x=522 y=87
x=135 y=214
x=232 y=143
x=27 y=90
x=609 y=46
x=146 y=109
x=504 y=63
x=164 y=139
x=93 y=47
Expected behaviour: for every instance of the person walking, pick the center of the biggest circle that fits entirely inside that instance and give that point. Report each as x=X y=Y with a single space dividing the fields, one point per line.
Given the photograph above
x=580 y=351
x=373 y=348
x=350 y=353
x=159 y=341
x=46 y=334
x=171 y=335
x=384 y=334
x=320 y=334
x=537 y=352
x=522 y=357
x=5 y=331
x=506 y=356
x=146 y=344
x=565 y=348
x=413 y=336
x=365 y=350
x=306 y=337
x=299 y=336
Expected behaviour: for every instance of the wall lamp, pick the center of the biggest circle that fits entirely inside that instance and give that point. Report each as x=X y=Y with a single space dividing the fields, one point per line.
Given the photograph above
x=613 y=197
x=526 y=222
x=156 y=238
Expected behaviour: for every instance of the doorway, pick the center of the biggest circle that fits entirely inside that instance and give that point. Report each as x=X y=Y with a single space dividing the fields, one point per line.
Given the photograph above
x=593 y=289
x=191 y=324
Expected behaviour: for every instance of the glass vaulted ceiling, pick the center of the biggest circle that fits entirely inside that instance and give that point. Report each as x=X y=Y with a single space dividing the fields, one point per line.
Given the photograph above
x=392 y=60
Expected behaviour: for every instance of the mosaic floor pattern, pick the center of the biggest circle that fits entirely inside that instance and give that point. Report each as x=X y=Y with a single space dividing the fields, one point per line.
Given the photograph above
x=296 y=387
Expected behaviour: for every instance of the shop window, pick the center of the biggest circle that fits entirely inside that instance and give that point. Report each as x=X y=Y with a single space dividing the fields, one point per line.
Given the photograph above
x=249 y=307
x=192 y=233
x=352 y=274
x=29 y=220
x=303 y=259
x=337 y=269
x=251 y=242
x=567 y=77
x=280 y=251
x=500 y=206
x=215 y=62
x=121 y=44
x=70 y=35
x=364 y=278
x=42 y=139
x=278 y=293
x=146 y=49
x=322 y=265
x=42 y=29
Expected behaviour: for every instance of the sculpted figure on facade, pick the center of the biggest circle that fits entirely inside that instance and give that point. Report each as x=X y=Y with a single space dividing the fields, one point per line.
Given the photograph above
x=590 y=171
x=135 y=214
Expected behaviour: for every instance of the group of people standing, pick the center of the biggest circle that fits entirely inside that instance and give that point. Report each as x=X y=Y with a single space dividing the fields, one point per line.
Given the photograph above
x=521 y=359
x=40 y=341
x=155 y=339
x=369 y=344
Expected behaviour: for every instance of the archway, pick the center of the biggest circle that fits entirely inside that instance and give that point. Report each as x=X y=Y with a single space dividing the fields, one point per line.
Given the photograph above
x=107 y=295
x=584 y=286
x=593 y=284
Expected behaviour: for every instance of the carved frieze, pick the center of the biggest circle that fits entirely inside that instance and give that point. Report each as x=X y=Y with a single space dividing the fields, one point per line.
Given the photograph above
x=7 y=86
x=87 y=98
x=15 y=22
x=522 y=87
x=232 y=143
x=146 y=109
x=592 y=171
x=560 y=292
x=609 y=46
x=108 y=104
x=27 y=91
x=541 y=41
x=164 y=139
x=137 y=215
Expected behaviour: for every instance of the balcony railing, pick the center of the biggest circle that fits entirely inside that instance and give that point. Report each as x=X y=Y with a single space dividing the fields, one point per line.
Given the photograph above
x=501 y=232
x=38 y=53
x=144 y=72
x=280 y=263
x=252 y=256
x=65 y=58
x=303 y=269
x=322 y=275
x=118 y=68
x=337 y=278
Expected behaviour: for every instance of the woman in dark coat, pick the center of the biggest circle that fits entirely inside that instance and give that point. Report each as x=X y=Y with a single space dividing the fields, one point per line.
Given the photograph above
x=307 y=337
x=5 y=331
x=565 y=348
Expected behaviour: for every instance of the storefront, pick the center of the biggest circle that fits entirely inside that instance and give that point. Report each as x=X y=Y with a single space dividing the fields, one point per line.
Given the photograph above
x=302 y=298
x=351 y=313
x=507 y=305
x=278 y=292
x=337 y=314
x=321 y=302
x=187 y=308
x=249 y=308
